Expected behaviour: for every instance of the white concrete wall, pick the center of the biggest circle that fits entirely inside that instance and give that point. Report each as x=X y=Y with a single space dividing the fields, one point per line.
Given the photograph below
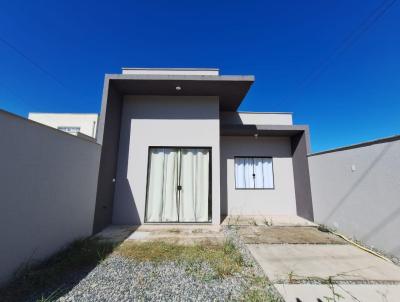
x=161 y=121
x=48 y=183
x=364 y=203
x=86 y=122
x=255 y=118
x=278 y=201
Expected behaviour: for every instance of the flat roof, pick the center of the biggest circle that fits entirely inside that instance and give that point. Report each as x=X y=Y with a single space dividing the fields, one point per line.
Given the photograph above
x=171 y=71
x=265 y=112
x=231 y=89
x=167 y=68
x=64 y=113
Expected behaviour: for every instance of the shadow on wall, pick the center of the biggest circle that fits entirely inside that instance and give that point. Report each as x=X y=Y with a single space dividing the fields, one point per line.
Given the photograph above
x=387 y=219
x=153 y=107
x=56 y=276
x=124 y=206
x=126 y=209
x=368 y=208
x=358 y=182
x=384 y=222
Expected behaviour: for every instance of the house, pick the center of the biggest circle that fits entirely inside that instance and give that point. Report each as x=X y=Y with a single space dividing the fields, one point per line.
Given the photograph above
x=176 y=150
x=72 y=123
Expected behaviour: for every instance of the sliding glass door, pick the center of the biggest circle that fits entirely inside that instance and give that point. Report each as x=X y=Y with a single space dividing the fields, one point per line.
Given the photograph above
x=178 y=185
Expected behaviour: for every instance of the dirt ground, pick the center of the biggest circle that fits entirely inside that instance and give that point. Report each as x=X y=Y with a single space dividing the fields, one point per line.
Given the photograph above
x=286 y=235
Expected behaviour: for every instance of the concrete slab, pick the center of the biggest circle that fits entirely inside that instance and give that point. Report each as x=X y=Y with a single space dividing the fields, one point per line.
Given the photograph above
x=294 y=235
x=116 y=233
x=179 y=234
x=266 y=220
x=288 y=262
x=347 y=292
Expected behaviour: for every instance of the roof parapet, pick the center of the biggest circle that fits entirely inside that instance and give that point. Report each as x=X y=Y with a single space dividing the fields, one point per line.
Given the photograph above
x=171 y=71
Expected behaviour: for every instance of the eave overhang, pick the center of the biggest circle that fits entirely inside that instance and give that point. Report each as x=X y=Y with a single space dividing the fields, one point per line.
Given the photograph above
x=231 y=90
x=262 y=130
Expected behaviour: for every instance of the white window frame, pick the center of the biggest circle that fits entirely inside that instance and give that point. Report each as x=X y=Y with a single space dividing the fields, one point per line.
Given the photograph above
x=254 y=183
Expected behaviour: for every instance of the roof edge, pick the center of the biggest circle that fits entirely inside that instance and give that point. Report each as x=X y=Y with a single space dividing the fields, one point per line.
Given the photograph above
x=167 y=68
x=232 y=78
x=360 y=145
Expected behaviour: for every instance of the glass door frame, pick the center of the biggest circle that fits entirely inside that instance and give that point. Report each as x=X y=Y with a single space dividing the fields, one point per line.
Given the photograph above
x=209 y=184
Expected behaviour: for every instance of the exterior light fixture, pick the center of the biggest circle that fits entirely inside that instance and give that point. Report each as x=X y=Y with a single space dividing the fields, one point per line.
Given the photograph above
x=255 y=135
x=178 y=88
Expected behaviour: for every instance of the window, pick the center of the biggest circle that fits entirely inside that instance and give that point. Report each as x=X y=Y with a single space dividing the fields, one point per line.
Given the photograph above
x=71 y=130
x=254 y=173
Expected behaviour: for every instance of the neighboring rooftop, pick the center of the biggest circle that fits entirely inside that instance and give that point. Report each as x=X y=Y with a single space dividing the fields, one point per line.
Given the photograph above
x=72 y=123
x=172 y=71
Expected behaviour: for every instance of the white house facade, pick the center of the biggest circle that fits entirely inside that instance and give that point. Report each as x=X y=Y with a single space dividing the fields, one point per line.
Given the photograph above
x=72 y=123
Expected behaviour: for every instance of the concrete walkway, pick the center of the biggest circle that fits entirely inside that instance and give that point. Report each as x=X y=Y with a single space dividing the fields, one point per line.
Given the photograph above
x=304 y=263
x=308 y=265
x=178 y=234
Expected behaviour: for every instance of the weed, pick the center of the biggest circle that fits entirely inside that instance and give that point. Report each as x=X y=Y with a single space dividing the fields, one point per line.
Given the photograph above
x=224 y=259
x=174 y=231
x=253 y=222
x=335 y=296
x=324 y=228
x=52 y=296
x=233 y=221
x=332 y=284
x=237 y=220
x=44 y=280
x=268 y=222
x=255 y=295
x=259 y=290
x=291 y=277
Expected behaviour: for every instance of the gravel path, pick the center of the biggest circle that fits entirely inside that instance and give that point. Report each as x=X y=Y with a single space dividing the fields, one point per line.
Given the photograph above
x=121 y=279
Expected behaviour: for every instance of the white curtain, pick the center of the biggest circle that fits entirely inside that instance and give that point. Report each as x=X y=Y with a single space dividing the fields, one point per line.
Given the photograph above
x=162 y=184
x=244 y=173
x=258 y=172
x=268 y=173
x=170 y=168
x=194 y=179
x=254 y=173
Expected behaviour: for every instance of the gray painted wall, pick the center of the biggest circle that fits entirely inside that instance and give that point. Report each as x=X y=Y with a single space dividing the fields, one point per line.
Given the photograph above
x=48 y=182
x=357 y=191
x=278 y=201
x=108 y=136
x=162 y=121
x=301 y=173
x=255 y=118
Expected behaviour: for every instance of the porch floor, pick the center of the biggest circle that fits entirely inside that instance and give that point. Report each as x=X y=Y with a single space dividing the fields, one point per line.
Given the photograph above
x=267 y=220
x=178 y=234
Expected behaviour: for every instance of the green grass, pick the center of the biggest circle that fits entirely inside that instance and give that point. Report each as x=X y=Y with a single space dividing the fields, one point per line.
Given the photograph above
x=46 y=279
x=224 y=259
x=259 y=290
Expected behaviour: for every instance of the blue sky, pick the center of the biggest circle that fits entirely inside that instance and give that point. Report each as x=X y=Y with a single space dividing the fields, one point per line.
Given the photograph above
x=54 y=54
